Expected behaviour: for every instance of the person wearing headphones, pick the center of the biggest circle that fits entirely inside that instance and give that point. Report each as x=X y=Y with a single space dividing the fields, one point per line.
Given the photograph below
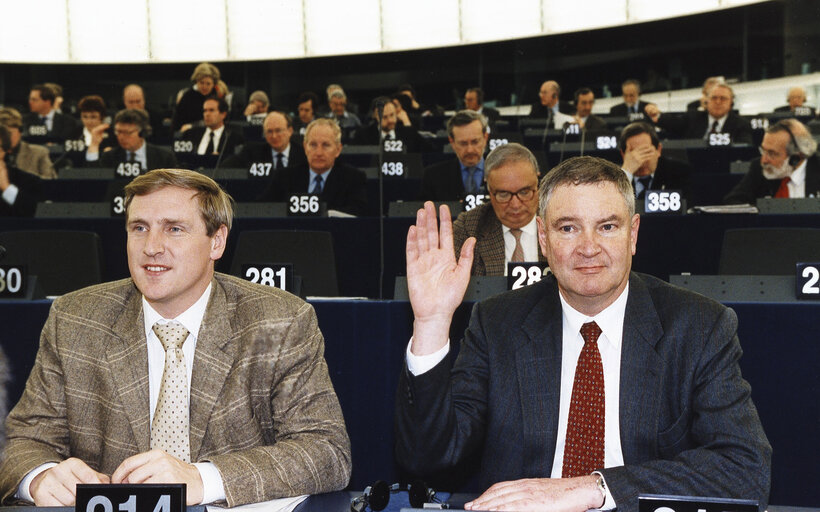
x=549 y=105
x=788 y=166
x=130 y=128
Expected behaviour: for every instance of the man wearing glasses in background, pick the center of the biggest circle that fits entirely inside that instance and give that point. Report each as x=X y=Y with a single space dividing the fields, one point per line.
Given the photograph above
x=505 y=227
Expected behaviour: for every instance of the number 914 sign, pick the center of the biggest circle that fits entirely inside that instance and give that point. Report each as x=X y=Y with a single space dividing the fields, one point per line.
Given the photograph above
x=130 y=498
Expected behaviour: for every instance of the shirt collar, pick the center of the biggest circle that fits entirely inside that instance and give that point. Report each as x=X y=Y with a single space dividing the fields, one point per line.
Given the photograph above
x=217 y=132
x=610 y=320
x=324 y=175
x=530 y=229
x=479 y=166
x=285 y=152
x=191 y=318
x=798 y=176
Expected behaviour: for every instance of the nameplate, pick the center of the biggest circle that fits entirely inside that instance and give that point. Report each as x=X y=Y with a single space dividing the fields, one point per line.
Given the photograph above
x=394 y=146
x=719 y=139
x=662 y=503
x=664 y=201
x=277 y=275
x=394 y=169
x=606 y=142
x=803 y=112
x=75 y=146
x=13 y=279
x=759 y=123
x=635 y=116
x=130 y=498
x=183 y=146
x=807 y=281
x=118 y=206
x=520 y=274
x=128 y=169
x=573 y=129
x=260 y=169
x=498 y=142
x=474 y=200
x=304 y=206
x=38 y=130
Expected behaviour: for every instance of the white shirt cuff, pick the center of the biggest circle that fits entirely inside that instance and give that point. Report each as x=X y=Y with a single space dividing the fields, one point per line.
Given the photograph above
x=23 y=491
x=421 y=364
x=609 y=502
x=212 y=486
x=10 y=194
x=91 y=157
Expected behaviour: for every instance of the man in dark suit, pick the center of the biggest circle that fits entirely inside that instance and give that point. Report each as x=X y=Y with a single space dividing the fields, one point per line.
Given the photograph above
x=641 y=153
x=391 y=129
x=632 y=106
x=215 y=138
x=717 y=118
x=788 y=166
x=279 y=149
x=452 y=179
x=474 y=100
x=796 y=103
x=504 y=228
x=132 y=155
x=550 y=106
x=657 y=403
x=589 y=122
x=19 y=190
x=341 y=186
x=27 y=157
x=261 y=420
x=44 y=120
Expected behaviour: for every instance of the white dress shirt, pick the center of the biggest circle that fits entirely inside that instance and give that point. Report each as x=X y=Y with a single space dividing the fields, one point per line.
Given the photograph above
x=191 y=319
x=720 y=123
x=140 y=156
x=797 y=181
x=285 y=155
x=206 y=137
x=611 y=322
x=529 y=242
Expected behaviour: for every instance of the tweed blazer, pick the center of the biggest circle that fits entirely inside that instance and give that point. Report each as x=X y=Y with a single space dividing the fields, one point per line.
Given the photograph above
x=687 y=422
x=35 y=159
x=262 y=407
x=488 y=256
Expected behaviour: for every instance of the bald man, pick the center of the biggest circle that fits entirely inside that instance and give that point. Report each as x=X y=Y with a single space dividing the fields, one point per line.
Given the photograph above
x=796 y=100
x=549 y=105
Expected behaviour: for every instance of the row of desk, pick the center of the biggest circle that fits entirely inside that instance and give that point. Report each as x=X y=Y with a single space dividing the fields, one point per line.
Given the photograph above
x=364 y=348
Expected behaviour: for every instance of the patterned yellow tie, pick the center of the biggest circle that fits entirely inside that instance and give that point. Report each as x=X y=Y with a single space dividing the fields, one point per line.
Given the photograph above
x=518 y=252
x=169 y=429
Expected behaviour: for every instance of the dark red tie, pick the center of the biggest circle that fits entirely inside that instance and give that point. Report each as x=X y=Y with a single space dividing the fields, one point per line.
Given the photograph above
x=783 y=189
x=584 y=447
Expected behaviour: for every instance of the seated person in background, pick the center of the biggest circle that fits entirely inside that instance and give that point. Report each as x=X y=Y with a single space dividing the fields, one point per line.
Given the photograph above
x=31 y=158
x=450 y=180
x=474 y=100
x=279 y=149
x=717 y=118
x=130 y=128
x=92 y=114
x=632 y=105
x=189 y=106
x=215 y=137
x=257 y=108
x=58 y=95
x=19 y=190
x=643 y=163
x=391 y=129
x=549 y=106
x=796 y=99
x=261 y=420
x=404 y=105
x=589 y=122
x=504 y=228
x=700 y=104
x=338 y=111
x=133 y=97
x=44 y=120
x=788 y=166
x=341 y=186
x=657 y=404
x=307 y=107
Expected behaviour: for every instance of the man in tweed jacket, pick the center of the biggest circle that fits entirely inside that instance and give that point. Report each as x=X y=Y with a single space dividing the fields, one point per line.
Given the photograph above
x=512 y=172
x=264 y=421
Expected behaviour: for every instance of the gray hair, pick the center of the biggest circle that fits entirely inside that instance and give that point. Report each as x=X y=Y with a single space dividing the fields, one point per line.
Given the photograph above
x=801 y=142
x=512 y=152
x=465 y=117
x=583 y=170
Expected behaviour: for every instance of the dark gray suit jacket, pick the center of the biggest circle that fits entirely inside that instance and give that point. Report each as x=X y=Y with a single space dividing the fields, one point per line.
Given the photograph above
x=687 y=422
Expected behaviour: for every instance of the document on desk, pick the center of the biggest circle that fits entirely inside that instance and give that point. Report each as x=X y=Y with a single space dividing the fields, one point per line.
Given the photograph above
x=277 y=505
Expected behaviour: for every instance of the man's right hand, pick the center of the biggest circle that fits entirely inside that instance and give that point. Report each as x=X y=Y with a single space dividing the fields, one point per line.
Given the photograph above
x=435 y=282
x=653 y=112
x=635 y=158
x=57 y=486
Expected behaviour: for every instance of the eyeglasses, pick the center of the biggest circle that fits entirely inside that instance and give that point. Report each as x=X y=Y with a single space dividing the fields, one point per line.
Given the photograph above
x=505 y=196
x=770 y=154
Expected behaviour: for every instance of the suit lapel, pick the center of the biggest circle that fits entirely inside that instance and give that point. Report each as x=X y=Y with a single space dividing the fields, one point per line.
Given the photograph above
x=127 y=357
x=212 y=363
x=491 y=243
x=538 y=365
x=641 y=370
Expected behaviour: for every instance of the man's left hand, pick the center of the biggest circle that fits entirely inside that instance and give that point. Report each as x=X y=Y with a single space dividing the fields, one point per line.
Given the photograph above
x=157 y=467
x=553 y=494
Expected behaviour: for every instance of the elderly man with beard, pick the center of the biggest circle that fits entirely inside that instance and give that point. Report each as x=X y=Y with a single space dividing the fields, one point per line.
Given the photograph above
x=788 y=166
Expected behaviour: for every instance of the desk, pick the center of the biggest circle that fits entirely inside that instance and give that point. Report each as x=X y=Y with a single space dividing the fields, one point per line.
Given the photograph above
x=364 y=348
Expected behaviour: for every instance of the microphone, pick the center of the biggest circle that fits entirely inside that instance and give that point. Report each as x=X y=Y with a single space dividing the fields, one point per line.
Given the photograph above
x=564 y=140
x=224 y=141
x=546 y=127
x=379 y=106
x=583 y=137
x=3 y=252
